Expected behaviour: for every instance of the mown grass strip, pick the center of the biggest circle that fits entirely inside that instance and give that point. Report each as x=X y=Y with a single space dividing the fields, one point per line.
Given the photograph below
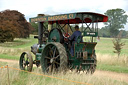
x=113 y=68
x=5 y=56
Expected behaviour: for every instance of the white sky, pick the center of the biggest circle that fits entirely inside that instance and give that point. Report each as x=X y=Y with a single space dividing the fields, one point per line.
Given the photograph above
x=30 y=8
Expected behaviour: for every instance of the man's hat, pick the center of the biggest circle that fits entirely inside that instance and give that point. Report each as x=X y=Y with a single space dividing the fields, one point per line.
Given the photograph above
x=77 y=27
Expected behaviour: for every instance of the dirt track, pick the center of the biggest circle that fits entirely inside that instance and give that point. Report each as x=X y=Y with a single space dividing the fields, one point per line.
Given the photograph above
x=109 y=74
x=113 y=75
x=9 y=61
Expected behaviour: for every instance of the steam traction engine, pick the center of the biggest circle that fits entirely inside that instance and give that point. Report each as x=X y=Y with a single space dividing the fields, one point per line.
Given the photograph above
x=53 y=49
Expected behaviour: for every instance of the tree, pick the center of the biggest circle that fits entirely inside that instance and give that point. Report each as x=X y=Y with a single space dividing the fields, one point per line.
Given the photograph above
x=118 y=44
x=104 y=32
x=35 y=26
x=124 y=34
x=13 y=25
x=127 y=35
x=116 y=20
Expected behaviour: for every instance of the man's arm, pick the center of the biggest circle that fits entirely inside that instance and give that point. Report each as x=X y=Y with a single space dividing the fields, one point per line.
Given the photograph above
x=72 y=36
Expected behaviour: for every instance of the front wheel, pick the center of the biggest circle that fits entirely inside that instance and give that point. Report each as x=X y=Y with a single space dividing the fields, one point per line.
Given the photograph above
x=26 y=61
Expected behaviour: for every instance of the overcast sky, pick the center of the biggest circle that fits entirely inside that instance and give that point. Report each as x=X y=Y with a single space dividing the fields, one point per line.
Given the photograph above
x=30 y=8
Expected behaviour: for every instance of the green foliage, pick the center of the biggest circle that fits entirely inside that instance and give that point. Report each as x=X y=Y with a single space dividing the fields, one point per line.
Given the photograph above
x=35 y=26
x=124 y=34
x=116 y=20
x=104 y=32
x=118 y=44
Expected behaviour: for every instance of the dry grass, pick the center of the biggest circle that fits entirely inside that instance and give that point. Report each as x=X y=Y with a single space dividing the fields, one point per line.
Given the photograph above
x=23 y=78
x=13 y=51
x=112 y=59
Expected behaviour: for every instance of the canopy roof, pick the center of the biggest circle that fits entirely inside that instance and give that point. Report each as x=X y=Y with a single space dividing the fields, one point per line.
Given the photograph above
x=72 y=18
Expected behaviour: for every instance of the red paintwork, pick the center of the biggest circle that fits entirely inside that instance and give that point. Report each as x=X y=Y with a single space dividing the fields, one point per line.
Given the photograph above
x=77 y=20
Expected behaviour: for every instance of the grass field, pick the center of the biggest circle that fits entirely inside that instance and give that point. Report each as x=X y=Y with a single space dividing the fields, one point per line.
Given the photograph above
x=107 y=60
x=24 y=78
x=105 y=46
x=12 y=50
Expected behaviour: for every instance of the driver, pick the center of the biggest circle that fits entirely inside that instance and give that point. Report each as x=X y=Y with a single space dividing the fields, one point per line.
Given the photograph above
x=74 y=37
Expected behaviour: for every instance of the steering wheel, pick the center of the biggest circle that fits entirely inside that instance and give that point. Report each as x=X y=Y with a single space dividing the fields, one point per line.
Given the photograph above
x=66 y=36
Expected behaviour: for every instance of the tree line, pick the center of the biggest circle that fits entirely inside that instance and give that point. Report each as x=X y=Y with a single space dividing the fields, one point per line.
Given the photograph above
x=104 y=32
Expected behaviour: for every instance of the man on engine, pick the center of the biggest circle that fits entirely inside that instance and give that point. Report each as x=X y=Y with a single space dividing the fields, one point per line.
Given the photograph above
x=74 y=38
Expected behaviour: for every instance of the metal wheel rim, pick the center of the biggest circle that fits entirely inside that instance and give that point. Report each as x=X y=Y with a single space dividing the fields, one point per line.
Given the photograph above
x=59 y=62
x=26 y=61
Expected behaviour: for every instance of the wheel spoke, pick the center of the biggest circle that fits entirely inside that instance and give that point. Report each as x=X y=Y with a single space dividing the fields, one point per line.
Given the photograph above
x=49 y=68
x=56 y=57
x=48 y=62
x=56 y=62
x=24 y=66
x=54 y=52
x=27 y=58
x=50 y=54
x=27 y=67
x=54 y=67
x=47 y=57
x=50 y=49
x=23 y=60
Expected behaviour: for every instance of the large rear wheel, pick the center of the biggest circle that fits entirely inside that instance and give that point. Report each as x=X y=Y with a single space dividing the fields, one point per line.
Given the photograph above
x=54 y=58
